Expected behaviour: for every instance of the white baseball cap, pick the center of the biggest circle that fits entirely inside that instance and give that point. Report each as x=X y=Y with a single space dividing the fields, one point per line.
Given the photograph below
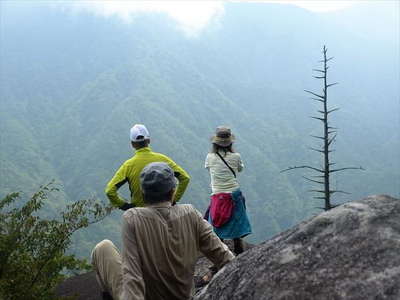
x=139 y=133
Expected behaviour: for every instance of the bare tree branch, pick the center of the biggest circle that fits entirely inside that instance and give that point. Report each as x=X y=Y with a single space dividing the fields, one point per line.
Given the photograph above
x=317 y=150
x=332 y=139
x=316 y=95
x=315 y=181
x=317 y=137
x=317 y=118
x=318 y=176
x=332 y=110
x=318 y=207
x=347 y=168
x=317 y=191
x=302 y=167
x=317 y=99
x=338 y=191
x=332 y=84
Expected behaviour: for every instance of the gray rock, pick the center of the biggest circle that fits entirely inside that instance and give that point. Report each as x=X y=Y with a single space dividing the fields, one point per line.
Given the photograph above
x=350 y=252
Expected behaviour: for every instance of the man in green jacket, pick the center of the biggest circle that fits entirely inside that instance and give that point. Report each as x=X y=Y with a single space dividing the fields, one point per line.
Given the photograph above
x=130 y=170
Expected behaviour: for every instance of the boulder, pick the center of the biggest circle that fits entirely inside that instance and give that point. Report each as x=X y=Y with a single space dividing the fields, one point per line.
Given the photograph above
x=80 y=287
x=349 y=252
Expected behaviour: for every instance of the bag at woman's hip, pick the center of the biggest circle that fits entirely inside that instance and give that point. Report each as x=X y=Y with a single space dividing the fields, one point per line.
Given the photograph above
x=221 y=208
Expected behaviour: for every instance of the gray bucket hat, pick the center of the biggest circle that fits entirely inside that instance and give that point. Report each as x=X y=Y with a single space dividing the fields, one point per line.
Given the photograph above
x=157 y=179
x=223 y=136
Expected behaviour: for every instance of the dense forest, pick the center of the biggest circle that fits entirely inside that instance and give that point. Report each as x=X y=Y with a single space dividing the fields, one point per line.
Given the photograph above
x=73 y=83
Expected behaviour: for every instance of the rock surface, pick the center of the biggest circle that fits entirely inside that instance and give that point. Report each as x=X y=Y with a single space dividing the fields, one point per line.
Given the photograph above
x=350 y=252
x=82 y=287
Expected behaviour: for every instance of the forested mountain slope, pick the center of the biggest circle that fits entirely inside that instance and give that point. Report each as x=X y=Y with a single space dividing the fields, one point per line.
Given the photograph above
x=72 y=84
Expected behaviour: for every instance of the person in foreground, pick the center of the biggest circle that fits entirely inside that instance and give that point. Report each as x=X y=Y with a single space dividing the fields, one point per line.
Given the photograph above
x=130 y=171
x=227 y=212
x=160 y=245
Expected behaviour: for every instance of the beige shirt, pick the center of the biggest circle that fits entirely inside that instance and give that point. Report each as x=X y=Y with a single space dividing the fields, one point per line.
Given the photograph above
x=161 y=245
x=222 y=179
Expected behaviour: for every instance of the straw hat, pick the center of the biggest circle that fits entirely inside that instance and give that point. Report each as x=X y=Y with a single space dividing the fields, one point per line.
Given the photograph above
x=223 y=136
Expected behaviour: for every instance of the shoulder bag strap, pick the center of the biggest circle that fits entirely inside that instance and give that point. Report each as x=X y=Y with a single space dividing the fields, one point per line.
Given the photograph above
x=220 y=156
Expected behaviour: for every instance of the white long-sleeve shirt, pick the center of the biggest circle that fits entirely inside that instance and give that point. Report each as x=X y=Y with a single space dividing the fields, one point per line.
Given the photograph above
x=222 y=179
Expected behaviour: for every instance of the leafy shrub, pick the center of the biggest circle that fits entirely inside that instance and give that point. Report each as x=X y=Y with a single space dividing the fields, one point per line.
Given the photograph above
x=33 y=257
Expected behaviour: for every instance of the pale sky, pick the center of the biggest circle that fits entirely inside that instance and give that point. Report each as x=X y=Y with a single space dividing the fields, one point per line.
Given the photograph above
x=192 y=15
x=318 y=5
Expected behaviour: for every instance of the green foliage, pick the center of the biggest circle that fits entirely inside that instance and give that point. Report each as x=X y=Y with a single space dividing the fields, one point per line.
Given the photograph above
x=33 y=257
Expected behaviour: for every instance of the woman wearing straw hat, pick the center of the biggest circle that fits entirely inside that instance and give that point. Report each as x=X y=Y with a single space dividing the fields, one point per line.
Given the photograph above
x=227 y=211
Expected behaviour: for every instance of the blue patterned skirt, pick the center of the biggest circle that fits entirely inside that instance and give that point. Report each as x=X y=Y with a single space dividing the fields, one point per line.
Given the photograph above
x=238 y=225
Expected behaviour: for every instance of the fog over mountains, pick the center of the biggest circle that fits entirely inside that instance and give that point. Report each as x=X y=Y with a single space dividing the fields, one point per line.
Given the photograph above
x=72 y=84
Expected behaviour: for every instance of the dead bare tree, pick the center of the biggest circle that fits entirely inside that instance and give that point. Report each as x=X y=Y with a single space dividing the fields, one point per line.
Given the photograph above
x=329 y=136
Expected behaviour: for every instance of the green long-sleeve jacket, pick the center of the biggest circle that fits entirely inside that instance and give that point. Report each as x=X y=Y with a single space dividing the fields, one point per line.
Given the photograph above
x=130 y=172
